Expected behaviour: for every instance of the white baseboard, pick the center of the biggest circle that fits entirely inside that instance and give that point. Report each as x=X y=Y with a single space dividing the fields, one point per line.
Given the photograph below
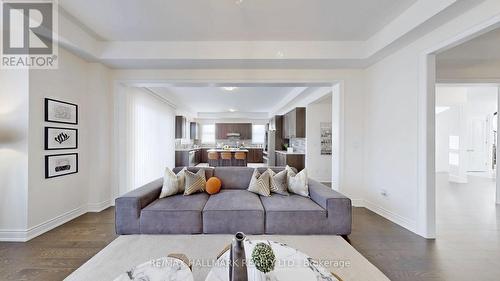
x=20 y=235
x=98 y=207
x=13 y=235
x=395 y=218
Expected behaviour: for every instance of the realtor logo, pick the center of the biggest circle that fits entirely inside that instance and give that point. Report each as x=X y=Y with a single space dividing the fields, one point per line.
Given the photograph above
x=28 y=34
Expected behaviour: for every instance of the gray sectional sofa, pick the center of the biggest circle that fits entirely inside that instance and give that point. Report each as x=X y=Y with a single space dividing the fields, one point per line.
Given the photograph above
x=233 y=209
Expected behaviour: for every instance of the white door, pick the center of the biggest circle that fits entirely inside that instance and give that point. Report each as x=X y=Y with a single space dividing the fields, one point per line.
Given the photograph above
x=477 y=151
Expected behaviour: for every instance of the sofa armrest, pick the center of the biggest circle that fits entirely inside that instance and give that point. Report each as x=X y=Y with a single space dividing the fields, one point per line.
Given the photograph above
x=128 y=206
x=338 y=206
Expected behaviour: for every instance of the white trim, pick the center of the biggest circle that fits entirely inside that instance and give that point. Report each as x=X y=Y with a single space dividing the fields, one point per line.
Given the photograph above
x=393 y=217
x=23 y=235
x=338 y=120
x=426 y=209
x=497 y=180
x=358 y=203
x=98 y=207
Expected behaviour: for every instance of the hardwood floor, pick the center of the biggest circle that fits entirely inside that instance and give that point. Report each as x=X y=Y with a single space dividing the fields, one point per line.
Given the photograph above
x=55 y=254
x=467 y=247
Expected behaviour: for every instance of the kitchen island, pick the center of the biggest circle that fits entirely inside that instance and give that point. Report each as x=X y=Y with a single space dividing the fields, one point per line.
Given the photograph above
x=227 y=162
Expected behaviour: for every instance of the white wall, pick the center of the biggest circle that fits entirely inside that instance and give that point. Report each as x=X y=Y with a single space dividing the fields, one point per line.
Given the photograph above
x=14 y=94
x=319 y=167
x=56 y=200
x=391 y=128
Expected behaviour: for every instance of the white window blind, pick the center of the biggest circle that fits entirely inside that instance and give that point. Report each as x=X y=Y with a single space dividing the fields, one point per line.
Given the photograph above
x=258 y=134
x=148 y=127
x=208 y=133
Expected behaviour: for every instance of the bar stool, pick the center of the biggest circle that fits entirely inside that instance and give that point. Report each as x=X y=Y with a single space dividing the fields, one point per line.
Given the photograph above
x=213 y=159
x=226 y=158
x=240 y=158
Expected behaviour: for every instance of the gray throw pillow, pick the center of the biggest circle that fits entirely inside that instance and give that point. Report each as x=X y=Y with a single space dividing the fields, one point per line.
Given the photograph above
x=195 y=182
x=277 y=182
x=260 y=183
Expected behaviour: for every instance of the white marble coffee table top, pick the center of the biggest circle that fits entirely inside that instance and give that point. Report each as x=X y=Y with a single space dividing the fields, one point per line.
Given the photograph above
x=161 y=269
x=291 y=265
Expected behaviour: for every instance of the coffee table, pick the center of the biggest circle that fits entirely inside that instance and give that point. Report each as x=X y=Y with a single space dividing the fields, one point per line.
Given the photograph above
x=291 y=265
x=166 y=268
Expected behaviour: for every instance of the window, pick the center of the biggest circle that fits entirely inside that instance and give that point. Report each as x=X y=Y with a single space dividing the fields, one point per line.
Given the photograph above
x=208 y=133
x=258 y=134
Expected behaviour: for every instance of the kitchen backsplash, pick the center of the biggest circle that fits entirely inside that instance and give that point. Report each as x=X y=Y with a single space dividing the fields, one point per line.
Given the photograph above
x=187 y=143
x=298 y=144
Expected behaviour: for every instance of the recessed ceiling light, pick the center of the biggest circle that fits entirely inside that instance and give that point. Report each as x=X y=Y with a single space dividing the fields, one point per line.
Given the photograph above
x=238 y=1
x=280 y=54
x=229 y=88
x=232 y=110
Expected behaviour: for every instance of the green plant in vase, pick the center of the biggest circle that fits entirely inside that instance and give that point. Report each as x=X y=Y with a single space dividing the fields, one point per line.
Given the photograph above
x=264 y=259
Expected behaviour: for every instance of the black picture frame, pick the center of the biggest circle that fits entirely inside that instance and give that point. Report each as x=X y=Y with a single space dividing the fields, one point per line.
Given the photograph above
x=47 y=100
x=61 y=128
x=47 y=157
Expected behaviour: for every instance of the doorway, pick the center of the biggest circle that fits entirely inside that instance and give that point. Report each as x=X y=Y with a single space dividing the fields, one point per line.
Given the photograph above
x=465 y=137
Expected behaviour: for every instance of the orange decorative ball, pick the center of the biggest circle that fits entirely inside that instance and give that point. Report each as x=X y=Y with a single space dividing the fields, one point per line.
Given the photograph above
x=213 y=185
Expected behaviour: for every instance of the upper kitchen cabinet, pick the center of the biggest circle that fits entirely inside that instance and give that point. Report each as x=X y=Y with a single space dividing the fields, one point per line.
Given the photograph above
x=194 y=131
x=180 y=127
x=243 y=129
x=294 y=123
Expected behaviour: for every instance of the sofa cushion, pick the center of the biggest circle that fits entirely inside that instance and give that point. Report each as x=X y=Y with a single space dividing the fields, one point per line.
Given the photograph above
x=293 y=214
x=176 y=214
x=230 y=211
x=234 y=177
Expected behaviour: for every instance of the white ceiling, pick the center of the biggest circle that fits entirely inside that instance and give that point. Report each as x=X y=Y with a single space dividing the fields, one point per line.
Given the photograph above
x=235 y=20
x=215 y=99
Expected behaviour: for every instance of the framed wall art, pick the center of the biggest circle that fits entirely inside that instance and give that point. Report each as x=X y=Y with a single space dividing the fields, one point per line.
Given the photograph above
x=60 y=165
x=326 y=138
x=61 y=112
x=60 y=138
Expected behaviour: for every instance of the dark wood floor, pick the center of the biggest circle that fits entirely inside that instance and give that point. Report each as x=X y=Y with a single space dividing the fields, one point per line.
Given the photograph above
x=459 y=253
x=55 y=254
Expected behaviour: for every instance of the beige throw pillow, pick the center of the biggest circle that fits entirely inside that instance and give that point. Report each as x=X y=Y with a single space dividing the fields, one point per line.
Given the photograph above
x=172 y=183
x=195 y=182
x=260 y=183
x=277 y=182
x=297 y=183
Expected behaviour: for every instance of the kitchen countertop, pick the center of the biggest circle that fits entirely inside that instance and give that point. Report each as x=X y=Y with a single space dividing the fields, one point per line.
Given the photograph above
x=227 y=150
x=187 y=149
x=290 y=153
x=211 y=148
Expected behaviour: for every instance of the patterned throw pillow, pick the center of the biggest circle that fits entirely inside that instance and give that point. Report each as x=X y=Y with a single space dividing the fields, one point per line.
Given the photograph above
x=260 y=183
x=172 y=183
x=297 y=183
x=277 y=182
x=195 y=182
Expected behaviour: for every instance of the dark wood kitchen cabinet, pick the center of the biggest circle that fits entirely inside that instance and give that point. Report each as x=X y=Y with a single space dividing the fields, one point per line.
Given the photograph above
x=244 y=129
x=180 y=127
x=204 y=155
x=294 y=123
x=255 y=155
x=194 y=129
x=293 y=160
